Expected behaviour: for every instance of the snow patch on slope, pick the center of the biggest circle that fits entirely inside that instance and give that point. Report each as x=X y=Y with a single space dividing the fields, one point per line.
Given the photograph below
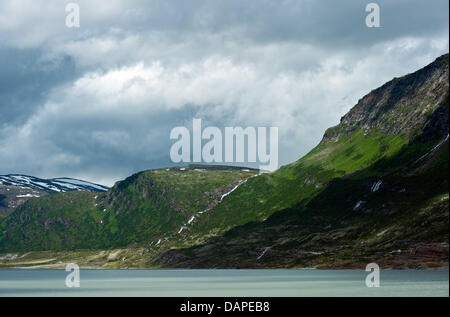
x=62 y=184
x=376 y=186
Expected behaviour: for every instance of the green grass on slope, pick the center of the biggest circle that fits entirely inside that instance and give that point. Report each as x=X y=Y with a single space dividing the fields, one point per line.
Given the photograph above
x=296 y=183
x=410 y=209
x=144 y=207
x=354 y=152
x=54 y=221
x=155 y=204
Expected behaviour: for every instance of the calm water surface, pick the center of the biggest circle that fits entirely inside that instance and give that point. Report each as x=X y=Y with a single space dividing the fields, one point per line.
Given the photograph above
x=224 y=283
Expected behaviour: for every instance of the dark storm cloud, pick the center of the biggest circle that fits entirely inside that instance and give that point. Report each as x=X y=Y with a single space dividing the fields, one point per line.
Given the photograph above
x=326 y=22
x=25 y=81
x=99 y=102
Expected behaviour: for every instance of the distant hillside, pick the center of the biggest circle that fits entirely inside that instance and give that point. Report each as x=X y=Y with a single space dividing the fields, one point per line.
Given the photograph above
x=13 y=196
x=54 y=185
x=16 y=189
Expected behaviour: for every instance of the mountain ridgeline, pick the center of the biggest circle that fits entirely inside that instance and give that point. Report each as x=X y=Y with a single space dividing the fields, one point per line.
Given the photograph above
x=53 y=185
x=16 y=189
x=374 y=190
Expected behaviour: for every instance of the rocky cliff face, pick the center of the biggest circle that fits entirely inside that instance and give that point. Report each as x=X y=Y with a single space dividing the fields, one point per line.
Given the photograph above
x=403 y=105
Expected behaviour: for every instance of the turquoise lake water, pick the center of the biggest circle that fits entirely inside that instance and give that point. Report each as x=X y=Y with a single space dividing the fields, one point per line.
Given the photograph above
x=224 y=283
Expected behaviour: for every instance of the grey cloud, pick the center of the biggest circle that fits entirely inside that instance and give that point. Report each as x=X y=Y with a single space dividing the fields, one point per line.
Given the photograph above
x=324 y=23
x=25 y=81
x=99 y=102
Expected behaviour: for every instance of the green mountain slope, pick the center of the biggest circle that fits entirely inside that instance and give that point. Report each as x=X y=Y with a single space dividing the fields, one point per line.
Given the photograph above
x=404 y=223
x=357 y=143
x=144 y=208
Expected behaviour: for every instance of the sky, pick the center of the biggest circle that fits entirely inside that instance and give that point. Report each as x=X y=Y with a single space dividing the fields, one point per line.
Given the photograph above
x=98 y=102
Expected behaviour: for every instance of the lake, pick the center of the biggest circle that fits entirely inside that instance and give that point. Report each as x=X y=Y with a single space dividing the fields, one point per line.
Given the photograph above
x=244 y=283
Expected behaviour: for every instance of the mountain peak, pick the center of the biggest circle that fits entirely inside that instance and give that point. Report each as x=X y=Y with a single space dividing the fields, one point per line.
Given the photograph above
x=403 y=105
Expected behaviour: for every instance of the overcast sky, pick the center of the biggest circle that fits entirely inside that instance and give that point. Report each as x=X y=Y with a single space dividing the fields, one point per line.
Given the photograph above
x=98 y=102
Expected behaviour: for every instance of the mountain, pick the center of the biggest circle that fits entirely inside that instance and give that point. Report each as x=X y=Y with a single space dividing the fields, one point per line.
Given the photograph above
x=16 y=189
x=146 y=208
x=53 y=185
x=374 y=190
